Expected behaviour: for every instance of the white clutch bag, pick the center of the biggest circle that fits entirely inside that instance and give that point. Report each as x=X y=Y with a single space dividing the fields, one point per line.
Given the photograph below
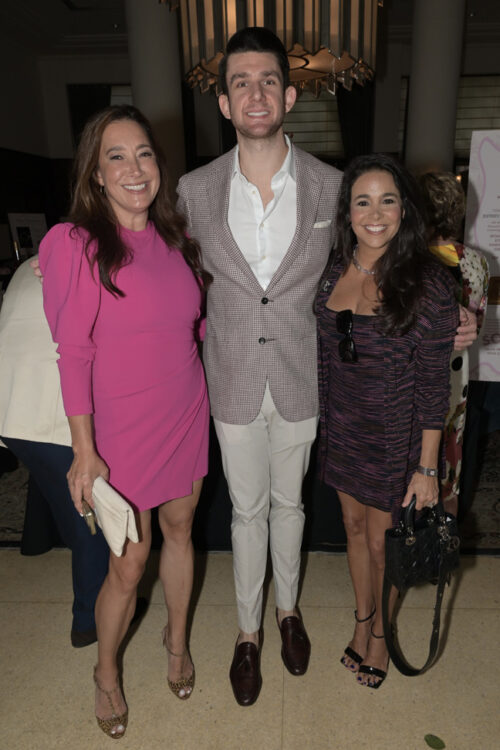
x=114 y=515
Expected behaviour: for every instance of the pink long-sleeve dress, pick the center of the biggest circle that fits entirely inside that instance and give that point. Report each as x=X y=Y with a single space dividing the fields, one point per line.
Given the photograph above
x=132 y=362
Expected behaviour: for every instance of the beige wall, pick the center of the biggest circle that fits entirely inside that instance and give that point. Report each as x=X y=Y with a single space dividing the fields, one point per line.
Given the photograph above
x=481 y=57
x=35 y=117
x=55 y=74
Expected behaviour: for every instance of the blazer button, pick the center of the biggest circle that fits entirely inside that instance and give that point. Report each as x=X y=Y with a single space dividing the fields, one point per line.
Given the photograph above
x=262 y=340
x=264 y=300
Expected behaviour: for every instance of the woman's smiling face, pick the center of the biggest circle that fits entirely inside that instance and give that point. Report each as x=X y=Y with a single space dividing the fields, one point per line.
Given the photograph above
x=128 y=172
x=375 y=210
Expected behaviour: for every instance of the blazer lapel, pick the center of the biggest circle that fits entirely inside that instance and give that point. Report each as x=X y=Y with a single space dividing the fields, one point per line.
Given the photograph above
x=308 y=195
x=220 y=204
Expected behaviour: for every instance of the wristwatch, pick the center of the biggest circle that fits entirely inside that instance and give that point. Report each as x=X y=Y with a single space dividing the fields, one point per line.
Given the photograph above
x=427 y=472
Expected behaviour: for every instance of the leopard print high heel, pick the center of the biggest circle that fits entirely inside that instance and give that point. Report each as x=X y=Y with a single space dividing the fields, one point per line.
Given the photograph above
x=115 y=726
x=183 y=687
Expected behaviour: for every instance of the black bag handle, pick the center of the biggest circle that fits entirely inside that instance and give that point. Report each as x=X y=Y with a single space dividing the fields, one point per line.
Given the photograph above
x=395 y=652
x=410 y=510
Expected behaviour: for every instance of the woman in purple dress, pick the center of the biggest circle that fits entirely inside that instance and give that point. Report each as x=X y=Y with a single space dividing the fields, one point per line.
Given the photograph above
x=123 y=294
x=387 y=317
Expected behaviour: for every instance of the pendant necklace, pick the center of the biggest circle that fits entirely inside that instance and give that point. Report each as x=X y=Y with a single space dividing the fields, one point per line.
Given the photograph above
x=358 y=266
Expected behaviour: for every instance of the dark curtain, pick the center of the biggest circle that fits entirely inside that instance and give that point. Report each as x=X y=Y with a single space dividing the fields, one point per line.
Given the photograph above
x=33 y=184
x=483 y=417
x=356 y=119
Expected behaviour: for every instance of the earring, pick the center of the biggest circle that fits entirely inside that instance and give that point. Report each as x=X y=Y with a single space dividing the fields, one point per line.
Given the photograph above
x=102 y=190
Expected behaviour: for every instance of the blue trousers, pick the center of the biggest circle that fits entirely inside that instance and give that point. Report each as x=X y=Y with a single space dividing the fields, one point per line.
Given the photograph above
x=48 y=465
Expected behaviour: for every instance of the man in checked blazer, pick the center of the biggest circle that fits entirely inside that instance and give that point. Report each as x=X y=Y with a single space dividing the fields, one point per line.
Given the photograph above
x=264 y=214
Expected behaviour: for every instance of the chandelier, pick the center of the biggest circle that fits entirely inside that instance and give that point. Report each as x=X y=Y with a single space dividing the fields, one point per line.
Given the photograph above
x=329 y=42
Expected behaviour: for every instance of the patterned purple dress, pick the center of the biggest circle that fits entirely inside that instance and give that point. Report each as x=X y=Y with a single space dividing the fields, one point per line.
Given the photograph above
x=373 y=411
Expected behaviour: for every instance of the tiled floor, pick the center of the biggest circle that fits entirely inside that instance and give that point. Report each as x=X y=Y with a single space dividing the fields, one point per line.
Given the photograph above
x=46 y=693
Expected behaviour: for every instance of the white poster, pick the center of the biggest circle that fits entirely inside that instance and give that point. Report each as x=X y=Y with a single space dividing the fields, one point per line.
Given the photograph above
x=482 y=232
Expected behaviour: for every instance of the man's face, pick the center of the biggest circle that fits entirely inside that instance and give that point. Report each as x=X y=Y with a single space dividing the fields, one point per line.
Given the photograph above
x=256 y=103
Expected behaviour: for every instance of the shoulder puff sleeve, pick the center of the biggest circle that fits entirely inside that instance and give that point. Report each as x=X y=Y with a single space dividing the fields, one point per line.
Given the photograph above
x=71 y=300
x=438 y=319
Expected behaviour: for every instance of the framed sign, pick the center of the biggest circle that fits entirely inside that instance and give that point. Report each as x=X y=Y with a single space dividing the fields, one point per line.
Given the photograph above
x=27 y=231
x=482 y=231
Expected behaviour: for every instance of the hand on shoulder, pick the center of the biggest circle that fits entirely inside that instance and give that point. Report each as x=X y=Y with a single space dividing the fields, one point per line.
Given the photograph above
x=35 y=265
x=466 y=331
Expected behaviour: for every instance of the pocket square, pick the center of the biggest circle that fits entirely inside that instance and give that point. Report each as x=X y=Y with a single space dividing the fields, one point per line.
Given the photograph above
x=322 y=224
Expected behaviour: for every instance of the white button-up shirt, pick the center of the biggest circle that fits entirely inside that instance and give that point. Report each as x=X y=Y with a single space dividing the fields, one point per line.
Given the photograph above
x=264 y=235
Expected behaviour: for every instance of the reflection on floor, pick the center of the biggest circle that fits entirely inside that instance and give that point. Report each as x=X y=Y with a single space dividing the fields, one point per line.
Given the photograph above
x=46 y=693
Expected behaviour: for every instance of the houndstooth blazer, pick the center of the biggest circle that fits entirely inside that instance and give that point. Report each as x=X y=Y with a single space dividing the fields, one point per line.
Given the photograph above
x=255 y=335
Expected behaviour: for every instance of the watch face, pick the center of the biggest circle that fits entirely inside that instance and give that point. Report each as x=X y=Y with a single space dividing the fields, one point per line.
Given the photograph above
x=427 y=472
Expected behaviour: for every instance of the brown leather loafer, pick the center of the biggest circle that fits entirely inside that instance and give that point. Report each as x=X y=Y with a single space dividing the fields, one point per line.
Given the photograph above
x=296 y=646
x=245 y=674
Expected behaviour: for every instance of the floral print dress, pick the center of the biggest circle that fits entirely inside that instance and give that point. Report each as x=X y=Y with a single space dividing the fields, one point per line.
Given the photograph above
x=471 y=271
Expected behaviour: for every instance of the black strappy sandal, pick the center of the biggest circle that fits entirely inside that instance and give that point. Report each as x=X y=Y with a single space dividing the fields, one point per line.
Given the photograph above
x=373 y=671
x=350 y=652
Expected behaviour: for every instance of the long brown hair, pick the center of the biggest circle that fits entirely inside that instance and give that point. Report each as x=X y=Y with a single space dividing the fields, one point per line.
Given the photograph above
x=90 y=208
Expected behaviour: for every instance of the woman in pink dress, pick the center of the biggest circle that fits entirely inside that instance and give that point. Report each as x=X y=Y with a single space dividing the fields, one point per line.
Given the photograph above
x=123 y=294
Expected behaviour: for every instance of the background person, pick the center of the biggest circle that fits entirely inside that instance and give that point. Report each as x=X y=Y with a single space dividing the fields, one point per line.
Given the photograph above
x=386 y=318
x=123 y=297
x=34 y=427
x=444 y=202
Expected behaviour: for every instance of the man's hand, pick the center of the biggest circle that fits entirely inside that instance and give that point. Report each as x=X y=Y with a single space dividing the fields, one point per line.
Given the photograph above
x=466 y=331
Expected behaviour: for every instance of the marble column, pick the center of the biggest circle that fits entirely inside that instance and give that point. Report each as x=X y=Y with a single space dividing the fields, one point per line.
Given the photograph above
x=436 y=57
x=156 y=76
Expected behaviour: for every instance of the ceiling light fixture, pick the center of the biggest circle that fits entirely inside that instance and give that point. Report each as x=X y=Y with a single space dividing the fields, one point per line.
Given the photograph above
x=329 y=42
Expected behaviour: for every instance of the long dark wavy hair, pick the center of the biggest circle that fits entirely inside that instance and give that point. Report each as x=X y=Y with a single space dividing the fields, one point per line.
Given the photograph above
x=91 y=211
x=399 y=271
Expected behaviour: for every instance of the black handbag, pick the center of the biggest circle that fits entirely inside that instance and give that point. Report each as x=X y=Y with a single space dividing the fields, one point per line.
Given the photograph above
x=419 y=551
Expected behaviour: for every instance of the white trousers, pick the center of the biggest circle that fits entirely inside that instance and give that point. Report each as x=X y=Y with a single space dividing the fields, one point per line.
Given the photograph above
x=264 y=463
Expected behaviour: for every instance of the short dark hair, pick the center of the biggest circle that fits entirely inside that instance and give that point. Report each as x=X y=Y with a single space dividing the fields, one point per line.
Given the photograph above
x=255 y=39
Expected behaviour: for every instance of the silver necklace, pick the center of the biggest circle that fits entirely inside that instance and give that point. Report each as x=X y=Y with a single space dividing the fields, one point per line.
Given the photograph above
x=358 y=266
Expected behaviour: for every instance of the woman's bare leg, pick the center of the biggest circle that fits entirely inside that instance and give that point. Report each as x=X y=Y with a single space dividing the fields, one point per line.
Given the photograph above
x=176 y=575
x=377 y=522
x=114 y=610
x=358 y=558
